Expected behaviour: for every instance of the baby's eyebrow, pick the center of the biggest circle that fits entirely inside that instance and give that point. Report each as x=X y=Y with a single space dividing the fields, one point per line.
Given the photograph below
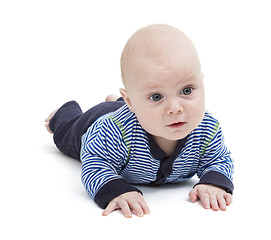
x=191 y=78
x=151 y=88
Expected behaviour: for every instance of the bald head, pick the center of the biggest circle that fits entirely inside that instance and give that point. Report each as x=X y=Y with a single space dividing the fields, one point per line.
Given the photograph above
x=161 y=44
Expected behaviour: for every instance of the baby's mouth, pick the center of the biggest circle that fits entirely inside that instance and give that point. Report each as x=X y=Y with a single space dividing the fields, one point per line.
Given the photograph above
x=177 y=125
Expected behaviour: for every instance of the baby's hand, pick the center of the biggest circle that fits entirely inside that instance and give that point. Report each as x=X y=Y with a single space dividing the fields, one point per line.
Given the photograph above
x=130 y=202
x=211 y=197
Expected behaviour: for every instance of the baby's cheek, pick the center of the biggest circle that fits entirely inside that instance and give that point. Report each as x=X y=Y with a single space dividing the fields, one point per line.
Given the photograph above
x=196 y=118
x=199 y=112
x=146 y=122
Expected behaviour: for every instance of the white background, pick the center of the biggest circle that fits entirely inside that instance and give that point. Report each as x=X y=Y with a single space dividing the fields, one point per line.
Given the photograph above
x=55 y=51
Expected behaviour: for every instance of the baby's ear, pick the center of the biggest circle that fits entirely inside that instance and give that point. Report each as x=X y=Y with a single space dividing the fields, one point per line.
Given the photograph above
x=126 y=98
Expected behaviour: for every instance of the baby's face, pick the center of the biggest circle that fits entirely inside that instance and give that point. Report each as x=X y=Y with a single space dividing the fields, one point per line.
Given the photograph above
x=167 y=96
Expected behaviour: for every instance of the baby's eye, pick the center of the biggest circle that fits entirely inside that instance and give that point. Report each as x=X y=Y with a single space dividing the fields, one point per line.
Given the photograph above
x=187 y=91
x=156 y=97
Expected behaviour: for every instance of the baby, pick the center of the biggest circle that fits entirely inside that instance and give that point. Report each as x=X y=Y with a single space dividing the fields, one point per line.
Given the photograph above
x=158 y=132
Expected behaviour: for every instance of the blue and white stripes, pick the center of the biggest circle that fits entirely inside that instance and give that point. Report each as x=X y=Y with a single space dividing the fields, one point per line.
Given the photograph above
x=116 y=146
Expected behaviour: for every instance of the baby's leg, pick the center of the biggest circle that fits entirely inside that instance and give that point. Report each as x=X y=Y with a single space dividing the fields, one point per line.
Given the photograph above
x=61 y=123
x=48 y=119
x=69 y=123
x=109 y=98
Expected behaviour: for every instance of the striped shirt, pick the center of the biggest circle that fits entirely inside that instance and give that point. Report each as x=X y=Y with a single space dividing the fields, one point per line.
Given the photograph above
x=117 y=152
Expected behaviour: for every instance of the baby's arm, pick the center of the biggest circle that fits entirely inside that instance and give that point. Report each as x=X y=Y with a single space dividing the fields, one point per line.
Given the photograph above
x=130 y=202
x=211 y=197
x=102 y=157
x=215 y=171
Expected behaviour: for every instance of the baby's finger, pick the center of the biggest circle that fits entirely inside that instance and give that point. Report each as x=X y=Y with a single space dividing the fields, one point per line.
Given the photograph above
x=222 y=203
x=125 y=209
x=205 y=200
x=228 y=198
x=193 y=195
x=213 y=202
x=110 y=208
x=136 y=207
x=144 y=205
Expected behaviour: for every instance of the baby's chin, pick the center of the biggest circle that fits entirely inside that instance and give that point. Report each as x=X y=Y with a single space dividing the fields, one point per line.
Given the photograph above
x=175 y=137
x=178 y=138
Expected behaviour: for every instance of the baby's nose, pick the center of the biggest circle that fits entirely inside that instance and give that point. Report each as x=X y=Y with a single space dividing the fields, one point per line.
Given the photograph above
x=174 y=108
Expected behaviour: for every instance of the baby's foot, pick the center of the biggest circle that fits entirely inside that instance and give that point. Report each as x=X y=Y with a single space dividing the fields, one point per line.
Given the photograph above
x=111 y=98
x=48 y=119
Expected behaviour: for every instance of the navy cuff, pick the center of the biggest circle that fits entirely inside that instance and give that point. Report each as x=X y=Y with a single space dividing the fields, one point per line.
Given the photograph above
x=113 y=189
x=217 y=179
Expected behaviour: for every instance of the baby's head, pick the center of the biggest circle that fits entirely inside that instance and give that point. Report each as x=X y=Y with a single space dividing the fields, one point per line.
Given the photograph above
x=162 y=75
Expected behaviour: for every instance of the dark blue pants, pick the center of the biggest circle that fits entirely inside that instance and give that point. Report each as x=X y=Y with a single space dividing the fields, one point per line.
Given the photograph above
x=70 y=123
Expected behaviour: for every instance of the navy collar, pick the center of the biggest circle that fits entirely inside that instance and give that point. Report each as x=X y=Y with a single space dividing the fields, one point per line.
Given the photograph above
x=159 y=154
